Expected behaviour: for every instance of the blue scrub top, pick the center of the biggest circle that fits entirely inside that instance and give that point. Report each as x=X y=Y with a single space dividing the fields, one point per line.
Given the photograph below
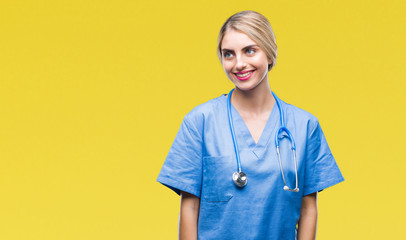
x=202 y=161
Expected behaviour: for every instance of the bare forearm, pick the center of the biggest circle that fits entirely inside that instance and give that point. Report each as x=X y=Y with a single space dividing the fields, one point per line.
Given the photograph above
x=308 y=218
x=307 y=226
x=187 y=226
x=188 y=217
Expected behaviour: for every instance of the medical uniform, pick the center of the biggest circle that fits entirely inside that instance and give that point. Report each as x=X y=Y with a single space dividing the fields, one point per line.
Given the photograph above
x=202 y=161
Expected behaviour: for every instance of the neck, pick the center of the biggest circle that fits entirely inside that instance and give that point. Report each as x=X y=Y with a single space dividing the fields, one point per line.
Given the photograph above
x=256 y=101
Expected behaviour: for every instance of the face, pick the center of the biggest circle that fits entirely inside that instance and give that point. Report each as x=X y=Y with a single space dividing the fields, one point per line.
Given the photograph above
x=244 y=62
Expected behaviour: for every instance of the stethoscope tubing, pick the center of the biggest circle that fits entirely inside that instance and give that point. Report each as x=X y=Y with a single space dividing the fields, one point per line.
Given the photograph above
x=237 y=152
x=236 y=176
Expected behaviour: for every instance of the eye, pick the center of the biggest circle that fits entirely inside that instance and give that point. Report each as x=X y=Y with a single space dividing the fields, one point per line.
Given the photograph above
x=227 y=54
x=250 y=51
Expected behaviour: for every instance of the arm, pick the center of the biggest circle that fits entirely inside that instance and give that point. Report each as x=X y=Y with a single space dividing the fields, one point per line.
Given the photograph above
x=308 y=218
x=189 y=214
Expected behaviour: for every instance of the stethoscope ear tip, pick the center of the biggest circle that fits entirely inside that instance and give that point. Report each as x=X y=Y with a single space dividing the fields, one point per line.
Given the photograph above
x=286 y=188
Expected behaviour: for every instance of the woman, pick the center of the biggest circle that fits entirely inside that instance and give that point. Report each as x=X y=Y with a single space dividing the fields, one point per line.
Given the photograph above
x=277 y=198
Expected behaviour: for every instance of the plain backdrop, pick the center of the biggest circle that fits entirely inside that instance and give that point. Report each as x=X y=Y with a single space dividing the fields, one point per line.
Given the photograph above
x=92 y=94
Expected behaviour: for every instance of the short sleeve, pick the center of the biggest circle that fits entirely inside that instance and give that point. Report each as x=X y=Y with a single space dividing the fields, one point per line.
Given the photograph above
x=321 y=170
x=182 y=169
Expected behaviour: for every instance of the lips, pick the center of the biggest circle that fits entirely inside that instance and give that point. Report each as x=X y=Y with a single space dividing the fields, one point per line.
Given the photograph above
x=245 y=75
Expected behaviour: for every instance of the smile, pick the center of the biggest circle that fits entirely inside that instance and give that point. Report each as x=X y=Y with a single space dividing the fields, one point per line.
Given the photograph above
x=244 y=75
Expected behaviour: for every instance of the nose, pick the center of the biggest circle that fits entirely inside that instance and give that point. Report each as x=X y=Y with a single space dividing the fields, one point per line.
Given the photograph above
x=240 y=64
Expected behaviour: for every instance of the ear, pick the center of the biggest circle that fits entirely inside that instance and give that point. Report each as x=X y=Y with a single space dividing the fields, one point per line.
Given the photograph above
x=269 y=64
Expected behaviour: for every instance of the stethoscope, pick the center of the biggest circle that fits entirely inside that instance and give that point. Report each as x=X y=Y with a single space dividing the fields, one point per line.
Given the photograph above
x=240 y=178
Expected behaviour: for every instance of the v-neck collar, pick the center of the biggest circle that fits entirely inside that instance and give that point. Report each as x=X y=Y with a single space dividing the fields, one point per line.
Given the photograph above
x=242 y=131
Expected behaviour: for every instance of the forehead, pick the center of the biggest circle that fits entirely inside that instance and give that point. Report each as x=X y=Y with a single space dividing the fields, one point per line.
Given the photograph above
x=236 y=40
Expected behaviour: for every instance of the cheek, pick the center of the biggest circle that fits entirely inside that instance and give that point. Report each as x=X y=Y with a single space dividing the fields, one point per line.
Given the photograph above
x=261 y=61
x=227 y=67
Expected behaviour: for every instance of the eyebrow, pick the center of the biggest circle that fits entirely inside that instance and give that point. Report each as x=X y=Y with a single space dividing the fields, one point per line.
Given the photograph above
x=229 y=50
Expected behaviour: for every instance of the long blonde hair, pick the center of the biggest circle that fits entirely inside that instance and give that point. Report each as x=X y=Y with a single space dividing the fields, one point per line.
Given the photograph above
x=257 y=27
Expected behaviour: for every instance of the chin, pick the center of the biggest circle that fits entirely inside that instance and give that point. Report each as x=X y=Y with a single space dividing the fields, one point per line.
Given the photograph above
x=246 y=86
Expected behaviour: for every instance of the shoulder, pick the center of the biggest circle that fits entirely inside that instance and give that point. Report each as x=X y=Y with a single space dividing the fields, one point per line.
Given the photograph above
x=203 y=110
x=197 y=116
x=300 y=115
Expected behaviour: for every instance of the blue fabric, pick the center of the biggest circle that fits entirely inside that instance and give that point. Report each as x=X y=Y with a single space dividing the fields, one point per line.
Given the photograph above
x=202 y=160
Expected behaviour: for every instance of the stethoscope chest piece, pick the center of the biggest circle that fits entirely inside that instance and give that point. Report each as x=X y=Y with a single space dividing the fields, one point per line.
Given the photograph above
x=240 y=179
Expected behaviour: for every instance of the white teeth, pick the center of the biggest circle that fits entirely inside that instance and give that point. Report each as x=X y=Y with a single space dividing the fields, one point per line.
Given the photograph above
x=244 y=74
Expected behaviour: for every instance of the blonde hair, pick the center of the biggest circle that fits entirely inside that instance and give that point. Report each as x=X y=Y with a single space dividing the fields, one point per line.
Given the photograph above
x=257 y=27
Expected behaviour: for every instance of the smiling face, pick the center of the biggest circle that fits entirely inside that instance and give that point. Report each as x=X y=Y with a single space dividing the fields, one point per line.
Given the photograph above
x=244 y=62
